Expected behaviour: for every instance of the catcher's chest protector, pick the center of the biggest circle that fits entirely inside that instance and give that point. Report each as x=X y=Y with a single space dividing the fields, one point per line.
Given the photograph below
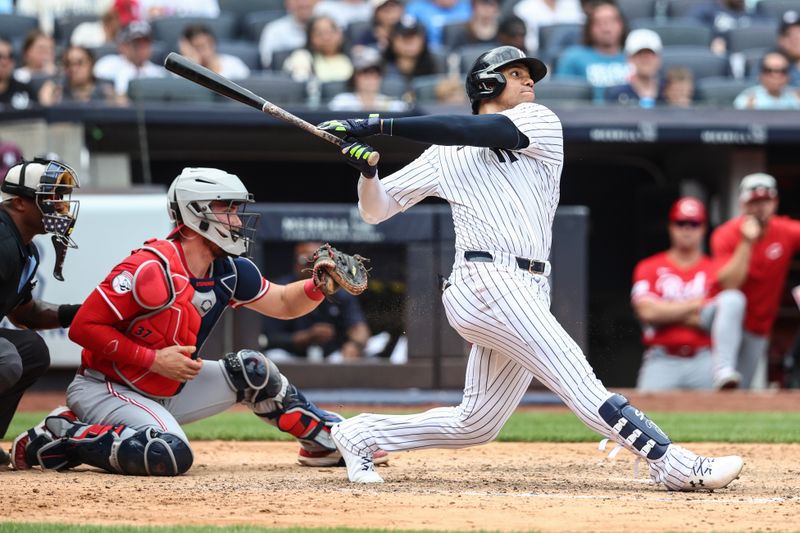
x=161 y=286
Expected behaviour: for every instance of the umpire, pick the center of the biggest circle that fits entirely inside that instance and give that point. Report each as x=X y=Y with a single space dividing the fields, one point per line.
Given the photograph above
x=36 y=199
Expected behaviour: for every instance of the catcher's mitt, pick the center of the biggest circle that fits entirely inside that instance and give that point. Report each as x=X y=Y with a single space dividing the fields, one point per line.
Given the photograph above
x=332 y=269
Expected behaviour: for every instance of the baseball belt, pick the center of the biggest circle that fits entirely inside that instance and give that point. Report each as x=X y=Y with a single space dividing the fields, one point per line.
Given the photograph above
x=530 y=265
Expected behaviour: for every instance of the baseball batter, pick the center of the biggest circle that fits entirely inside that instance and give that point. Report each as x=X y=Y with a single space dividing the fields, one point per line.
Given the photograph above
x=500 y=172
x=140 y=378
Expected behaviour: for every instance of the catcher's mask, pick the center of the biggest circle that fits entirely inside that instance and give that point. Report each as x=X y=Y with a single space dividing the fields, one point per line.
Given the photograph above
x=49 y=184
x=212 y=203
x=484 y=80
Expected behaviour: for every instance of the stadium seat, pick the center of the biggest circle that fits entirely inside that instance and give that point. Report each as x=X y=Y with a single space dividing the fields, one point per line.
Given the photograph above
x=756 y=36
x=700 y=60
x=169 y=89
x=254 y=23
x=160 y=52
x=169 y=29
x=331 y=88
x=677 y=9
x=556 y=37
x=394 y=87
x=278 y=57
x=468 y=54
x=451 y=33
x=424 y=87
x=507 y=7
x=776 y=8
x=720 y=92
x=277 y=88
x=15 y=27
x=241 y=8
x=355 y=30
x=637 y=9
x=677 y=32
x=752 y=61
x=245 y=51
x=64 y=26
x=574 y=90
x=105 y=50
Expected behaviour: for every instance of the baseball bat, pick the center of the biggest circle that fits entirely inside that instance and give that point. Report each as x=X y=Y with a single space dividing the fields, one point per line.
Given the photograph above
x=200 y=75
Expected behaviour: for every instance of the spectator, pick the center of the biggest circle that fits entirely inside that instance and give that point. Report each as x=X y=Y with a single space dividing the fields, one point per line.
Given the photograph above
x=757 y=264
x=538 y=13
x=322 y=59
x=287 y=32
x=199 y=44
x=600 y=59
x=79 y=83
x=13 y=93
x=345 y=12
x=687 y=327
x=336 y=329
x=151 y=9
x=789 y=43
x=99 y=33
x=644 y=88
x=38 y=57
x=386 y=15
x=773 y=91
x=365 y=87
x=511 y=32
x=47 y=11
x=133 y=61
x=408 y=55
x=436 y=14
x=678 y=87
x=721 y=16
x=481 y=28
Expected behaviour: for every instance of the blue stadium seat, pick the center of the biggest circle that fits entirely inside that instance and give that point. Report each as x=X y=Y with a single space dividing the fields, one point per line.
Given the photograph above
x=468 y=54
x=776 y=8
x=169 y=89
x=355 y=30
x=756 y=36
x=245 y=51
x=720 y=92
x=556 y=37
x=278 y=57
x=169 y=29
x=677 y=32
x=700 y=60
x=752 y=62
x=15 y=27
x=677 y=9
x=424 y=87
x=254 y=23
x=330 y=89
x=637 y=9
x=277 y=88
x=573 y=90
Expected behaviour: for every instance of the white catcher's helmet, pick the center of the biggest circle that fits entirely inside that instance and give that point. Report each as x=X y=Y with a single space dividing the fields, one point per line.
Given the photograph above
x=189 y=203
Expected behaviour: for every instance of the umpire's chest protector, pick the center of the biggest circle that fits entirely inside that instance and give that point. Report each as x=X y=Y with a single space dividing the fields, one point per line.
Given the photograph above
x=161 y=287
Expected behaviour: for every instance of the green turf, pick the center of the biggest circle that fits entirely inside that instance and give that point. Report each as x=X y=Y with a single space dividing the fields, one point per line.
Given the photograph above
x=526 y=427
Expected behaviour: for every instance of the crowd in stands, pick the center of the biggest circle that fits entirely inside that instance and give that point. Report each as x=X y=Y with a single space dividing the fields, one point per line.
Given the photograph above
x=642 y=53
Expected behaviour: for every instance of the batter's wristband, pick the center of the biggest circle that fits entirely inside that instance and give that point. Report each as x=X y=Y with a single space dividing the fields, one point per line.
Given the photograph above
x=312 y=291
x=387 y=126
x=66 y=314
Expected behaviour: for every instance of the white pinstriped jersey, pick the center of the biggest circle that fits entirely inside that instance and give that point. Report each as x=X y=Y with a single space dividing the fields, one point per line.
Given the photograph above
x=501 y=200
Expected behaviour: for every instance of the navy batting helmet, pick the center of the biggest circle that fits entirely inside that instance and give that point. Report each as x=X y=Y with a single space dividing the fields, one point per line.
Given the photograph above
x=484 y=80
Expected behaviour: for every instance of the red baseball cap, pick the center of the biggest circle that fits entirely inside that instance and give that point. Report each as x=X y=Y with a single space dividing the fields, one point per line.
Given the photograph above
x=688 y=208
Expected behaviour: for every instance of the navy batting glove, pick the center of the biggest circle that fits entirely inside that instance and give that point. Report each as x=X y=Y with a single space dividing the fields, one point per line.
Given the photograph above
x=357 y=128
x=357 y=153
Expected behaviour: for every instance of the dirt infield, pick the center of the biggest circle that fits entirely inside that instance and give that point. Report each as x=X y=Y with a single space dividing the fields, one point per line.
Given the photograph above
x=502 y=486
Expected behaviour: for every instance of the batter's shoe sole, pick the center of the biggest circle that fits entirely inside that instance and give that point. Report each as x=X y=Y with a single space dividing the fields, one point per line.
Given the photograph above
x=360 y=468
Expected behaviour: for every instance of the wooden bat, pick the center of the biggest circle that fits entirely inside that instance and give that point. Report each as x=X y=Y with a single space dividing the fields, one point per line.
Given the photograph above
x=193 y=72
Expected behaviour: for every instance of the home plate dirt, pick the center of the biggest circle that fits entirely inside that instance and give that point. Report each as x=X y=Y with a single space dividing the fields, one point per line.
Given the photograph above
x=501 y=486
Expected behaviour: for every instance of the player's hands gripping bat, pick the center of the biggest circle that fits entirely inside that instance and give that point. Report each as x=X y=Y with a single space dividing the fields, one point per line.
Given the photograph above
x=331 y=269
x=358 y=155
x=357 y=128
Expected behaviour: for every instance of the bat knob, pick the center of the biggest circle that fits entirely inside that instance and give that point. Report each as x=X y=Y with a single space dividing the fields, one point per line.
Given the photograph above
x=373 y=158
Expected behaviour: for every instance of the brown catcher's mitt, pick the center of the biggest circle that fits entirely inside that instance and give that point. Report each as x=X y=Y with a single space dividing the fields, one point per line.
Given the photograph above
x=332 y=269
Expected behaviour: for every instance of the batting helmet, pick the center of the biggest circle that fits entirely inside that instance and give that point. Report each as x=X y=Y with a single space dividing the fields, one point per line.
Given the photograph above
x=484 y=80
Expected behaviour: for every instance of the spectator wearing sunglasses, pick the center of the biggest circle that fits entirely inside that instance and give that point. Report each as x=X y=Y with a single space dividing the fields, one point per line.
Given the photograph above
x=773 y=90
x=789 y=43
x=691 y=329
x=14 y=94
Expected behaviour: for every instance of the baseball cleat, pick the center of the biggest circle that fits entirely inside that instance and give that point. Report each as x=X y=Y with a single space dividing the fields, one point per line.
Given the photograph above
x=328 y=458
x=25 y=446
x=360 y=468
x=709 y=473
x=727 y=379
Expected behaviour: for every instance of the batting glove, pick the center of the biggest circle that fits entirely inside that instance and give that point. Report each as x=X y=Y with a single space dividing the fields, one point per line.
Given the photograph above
x=353 y=127
x=357 y=153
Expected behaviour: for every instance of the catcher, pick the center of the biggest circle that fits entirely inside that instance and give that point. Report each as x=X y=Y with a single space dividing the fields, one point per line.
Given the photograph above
x=142 y=328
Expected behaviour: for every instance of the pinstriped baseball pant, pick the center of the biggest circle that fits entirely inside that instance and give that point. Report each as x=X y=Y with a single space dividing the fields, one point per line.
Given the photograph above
x=504 y=312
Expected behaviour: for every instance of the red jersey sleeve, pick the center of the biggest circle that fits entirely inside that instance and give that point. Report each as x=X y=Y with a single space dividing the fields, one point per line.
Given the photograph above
x=102 y=318
x=643 y=281
x=724 y=241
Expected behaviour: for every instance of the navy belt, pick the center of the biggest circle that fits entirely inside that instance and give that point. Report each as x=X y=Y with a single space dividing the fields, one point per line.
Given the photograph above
x=531 y=265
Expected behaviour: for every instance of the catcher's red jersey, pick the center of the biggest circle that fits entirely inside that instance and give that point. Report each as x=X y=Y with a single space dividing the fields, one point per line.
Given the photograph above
x=658 y=277
x=769 y=266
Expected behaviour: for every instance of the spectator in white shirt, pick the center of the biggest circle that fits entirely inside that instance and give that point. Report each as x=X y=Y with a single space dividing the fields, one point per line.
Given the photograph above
x=133 y=60
x=345 y=12
x=47 y=11
x=199 y=44
x=38 y=57
x=287 y=32
x=538 y=13
x=151 y=9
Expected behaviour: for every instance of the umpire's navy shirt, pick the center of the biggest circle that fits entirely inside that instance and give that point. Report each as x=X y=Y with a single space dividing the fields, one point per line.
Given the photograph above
x=18 y=264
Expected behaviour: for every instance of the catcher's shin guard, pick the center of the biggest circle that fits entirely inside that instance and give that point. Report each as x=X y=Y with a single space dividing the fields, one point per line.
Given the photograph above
x=306 y=422
x=633 y=429
x=252 y=375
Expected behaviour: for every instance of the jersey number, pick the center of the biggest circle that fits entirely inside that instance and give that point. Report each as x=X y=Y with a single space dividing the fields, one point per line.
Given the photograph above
x=142 y=332
x=499 y=153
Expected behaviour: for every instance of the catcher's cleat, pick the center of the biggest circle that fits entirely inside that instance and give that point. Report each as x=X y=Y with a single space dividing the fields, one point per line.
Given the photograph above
x=360 y=468
x=326 y=458
x=25 y=447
